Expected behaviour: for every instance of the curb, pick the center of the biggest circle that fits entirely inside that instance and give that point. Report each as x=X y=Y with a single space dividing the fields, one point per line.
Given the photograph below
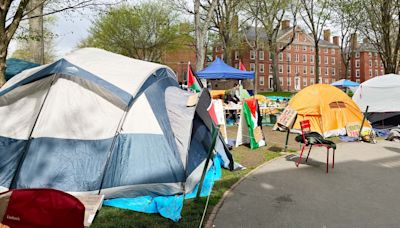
x=218 y=206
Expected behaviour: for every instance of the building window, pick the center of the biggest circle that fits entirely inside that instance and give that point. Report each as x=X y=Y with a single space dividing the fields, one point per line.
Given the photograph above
x=252 y=54
x=304 y=58
x=271 y=82
x=304 y=69
x=261 y=80
x=296 y=58
x=326 y=71
x=333 y=50
x=304 y=48
x=326 y=60
x=311 y=59
x=311 y=69
x=370 y=72
x=289 y=82
x=281 y=81
x=261 y=55
x=270 y=67
x=376 y=73
x=357 y=54
x=261 y=66
x=288 y=57
x=376 y=63
x=375 y=54
x=357 y=63
x=357 y=73
x=312 y=81
x=252 y=67
x=288 y=68
x=319 y=59
x=326 y=50
x=312 y=48
x=236 y=55
x=304 y=82
x=296 y=69
x=333 y=71
x=369 y=54
x=333 y=59
x=280 y=69
x=326 y=80
x=370 y=63
x=296 y=47
x=280 y=56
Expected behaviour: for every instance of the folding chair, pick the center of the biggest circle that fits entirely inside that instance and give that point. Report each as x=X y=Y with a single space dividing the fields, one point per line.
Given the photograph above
x=308 y=138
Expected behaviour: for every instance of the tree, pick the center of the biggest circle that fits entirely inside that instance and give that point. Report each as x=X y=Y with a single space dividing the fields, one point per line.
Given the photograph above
x=381 y=25
x=271 y=13
x=143 y=31
x=315 y=15
x=12 y=12
x=345 y=17
x=226 y=22
x=28 y=46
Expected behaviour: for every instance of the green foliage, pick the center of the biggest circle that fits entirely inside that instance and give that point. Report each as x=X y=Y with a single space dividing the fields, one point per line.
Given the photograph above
x=142 y=31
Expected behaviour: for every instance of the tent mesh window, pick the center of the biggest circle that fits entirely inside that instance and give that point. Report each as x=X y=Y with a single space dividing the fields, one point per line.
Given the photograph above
x=337 y=104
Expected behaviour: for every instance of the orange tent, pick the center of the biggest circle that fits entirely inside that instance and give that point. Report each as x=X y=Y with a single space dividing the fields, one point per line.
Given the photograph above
x=328 y=109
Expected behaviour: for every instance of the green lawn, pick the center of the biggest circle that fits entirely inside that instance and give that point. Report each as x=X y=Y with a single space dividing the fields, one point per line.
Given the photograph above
x=192 y=210
x=282 y=94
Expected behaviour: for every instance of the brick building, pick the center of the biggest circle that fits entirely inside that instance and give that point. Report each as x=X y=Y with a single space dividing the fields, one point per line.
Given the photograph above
x=177 y=60
x=365 y=62
x=296 y=64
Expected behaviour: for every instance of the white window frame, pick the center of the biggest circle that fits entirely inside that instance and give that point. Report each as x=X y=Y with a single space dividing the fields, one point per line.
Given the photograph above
x=357 y=63
x=333 y=60
x=370 y=62
x=289 y=68
x=252 y=67
x=280 y=56
x=370 y=73
x=358 y=73
x=304 y=48
x=312 y=70
x=280 y=68
x=311 y=58
x=296 y=57
x=261 y=55
x=312 y=81
x=326 y=60
x=304 y=69
x=261 y=80
x=270 y=79
x=288 y=57
x=326 y=50
x=376 y=73
x=236 y=55
x=333 y=71
x=333 y=51
x=304 y=82
x=326 y=80
x=252 y=54
x=357 y=54
x=261 y=68
x=281 y=80
x=304 y=58
x=326 y=70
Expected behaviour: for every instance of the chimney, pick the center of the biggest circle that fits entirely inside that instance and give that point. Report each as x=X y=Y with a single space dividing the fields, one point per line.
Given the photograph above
x=365 y=40
x=327 y=35
x=353 y=41
x=336 y=40
x=285 y=24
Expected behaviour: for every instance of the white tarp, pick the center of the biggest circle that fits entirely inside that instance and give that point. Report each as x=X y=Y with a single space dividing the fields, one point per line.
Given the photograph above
x=381 y=94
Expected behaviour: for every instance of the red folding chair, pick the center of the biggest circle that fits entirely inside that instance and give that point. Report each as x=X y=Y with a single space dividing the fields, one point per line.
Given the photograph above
x=311 y=139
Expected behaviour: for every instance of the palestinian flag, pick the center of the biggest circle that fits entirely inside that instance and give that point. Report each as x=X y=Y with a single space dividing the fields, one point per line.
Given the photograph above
x=241 y=66
x=193 y=84
x=250 y=113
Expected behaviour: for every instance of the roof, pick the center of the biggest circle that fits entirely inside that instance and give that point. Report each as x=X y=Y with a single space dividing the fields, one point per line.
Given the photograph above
x=220 y=70
x=16 y=66
x=251 y=35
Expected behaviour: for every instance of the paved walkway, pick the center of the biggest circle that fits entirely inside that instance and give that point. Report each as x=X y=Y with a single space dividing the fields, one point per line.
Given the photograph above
x=362 y=191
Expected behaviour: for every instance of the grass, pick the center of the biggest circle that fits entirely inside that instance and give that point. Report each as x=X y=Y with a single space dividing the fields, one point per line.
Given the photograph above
x=282 y=94
x=192 y=209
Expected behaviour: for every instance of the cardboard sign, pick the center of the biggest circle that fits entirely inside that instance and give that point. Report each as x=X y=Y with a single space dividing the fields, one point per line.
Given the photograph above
x=287 y=118
x=353 y=129
x=4 y=199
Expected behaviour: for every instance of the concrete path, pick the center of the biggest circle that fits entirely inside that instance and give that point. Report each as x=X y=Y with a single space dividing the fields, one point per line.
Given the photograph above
x=362 y=191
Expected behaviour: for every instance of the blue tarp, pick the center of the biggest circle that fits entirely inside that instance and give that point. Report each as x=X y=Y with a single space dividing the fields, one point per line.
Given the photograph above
x=16 y=66
x=169 y=206
x=220 y=70
x=345 y=83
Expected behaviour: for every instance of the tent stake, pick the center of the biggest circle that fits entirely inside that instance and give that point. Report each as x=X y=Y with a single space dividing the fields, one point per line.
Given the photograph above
x=362 y=123
x=287 y=139
x=214 y=134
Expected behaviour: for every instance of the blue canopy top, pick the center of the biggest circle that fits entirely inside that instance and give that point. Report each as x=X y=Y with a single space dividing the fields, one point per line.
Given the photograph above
x=220 y=70
x=345 y=83
x=16 y=66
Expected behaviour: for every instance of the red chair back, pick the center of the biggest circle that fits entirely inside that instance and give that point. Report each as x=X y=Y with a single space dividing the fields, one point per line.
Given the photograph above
x=305 y=127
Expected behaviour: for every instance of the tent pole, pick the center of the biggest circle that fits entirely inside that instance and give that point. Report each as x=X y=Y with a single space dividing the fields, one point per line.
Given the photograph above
x=214 y=134
x=28 y=143
x=362 y=123
x=287 y=139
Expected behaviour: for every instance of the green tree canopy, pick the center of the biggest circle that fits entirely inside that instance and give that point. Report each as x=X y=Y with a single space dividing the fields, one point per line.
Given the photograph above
x=143 y=31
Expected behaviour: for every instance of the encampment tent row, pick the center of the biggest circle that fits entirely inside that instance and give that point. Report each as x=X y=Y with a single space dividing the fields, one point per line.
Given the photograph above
x=98 y=122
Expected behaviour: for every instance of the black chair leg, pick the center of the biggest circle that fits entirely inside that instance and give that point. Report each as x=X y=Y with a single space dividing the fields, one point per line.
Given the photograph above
x=308 y=153
x=327 y=160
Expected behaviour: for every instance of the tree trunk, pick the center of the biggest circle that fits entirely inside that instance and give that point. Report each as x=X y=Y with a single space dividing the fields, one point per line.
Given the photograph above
x=3 y=56
x=316 y=63
x=277 y=85
x=36 y=41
